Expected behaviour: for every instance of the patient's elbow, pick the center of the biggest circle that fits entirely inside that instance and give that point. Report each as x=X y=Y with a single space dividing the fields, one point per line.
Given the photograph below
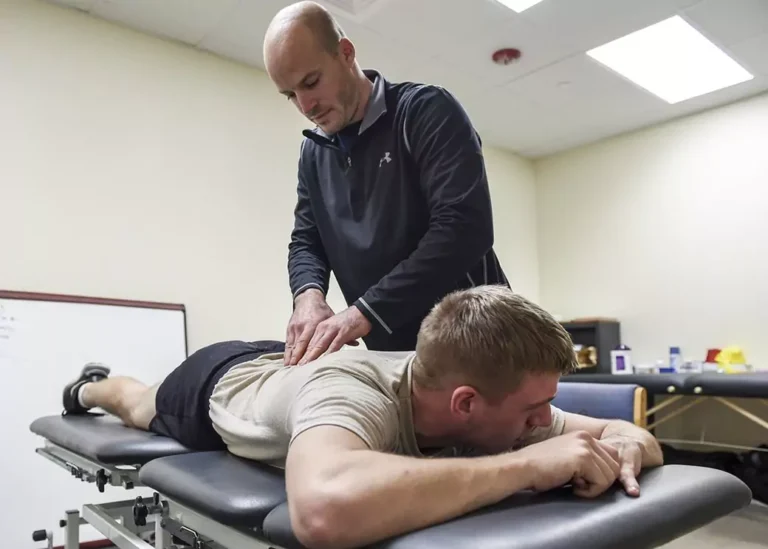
x=318 y=521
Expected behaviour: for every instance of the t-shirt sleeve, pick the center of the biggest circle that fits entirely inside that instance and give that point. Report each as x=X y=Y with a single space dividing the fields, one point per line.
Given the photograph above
x=554 y=429
x=343 y=400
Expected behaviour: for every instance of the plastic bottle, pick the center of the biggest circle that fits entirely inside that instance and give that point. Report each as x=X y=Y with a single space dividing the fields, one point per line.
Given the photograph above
x=675 y=359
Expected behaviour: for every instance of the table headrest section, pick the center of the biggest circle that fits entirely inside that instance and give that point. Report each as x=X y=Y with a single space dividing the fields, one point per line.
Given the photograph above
x=105 y=439
x=219 y=485
x=675 y=500
x=654 y=383
x=747 y=385
x=598 y=400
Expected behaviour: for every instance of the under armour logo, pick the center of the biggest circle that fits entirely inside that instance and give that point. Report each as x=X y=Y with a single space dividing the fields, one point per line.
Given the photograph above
x=386 y=159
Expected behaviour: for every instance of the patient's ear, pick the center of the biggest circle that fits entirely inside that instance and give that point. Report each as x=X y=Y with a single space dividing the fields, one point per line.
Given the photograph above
x=464 y=402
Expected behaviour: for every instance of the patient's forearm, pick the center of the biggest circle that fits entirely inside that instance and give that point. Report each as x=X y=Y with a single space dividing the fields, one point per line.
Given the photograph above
x=376 y=495
x=651 y=450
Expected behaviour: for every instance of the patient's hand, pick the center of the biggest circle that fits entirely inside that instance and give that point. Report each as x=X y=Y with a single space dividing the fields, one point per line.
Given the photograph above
x=309 y=311
x=631 y=460
x=576 y=457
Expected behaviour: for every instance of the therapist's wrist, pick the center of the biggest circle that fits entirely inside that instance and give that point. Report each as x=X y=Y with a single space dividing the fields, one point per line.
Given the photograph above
x=309 y=296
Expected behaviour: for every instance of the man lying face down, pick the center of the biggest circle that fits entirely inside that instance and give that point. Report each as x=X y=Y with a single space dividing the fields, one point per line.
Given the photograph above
x=352 y=428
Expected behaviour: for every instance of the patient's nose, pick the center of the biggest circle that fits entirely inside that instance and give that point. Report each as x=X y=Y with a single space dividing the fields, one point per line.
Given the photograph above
x=541 y=418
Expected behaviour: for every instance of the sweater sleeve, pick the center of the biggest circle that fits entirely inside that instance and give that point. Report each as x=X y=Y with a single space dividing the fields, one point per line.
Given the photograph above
x=448 y=152
x=307 y=262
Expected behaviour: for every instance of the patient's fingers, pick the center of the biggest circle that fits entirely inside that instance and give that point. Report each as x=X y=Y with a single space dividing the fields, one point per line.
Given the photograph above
x=630 y=468
x=579 y=483
x=629 y=481
x=612 y=450
x=598 y=472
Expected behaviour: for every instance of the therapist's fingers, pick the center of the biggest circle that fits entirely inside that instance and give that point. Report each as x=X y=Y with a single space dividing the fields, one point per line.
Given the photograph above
x=319 y=344
x=301 y=344
x=290 y=341
x=338 y=342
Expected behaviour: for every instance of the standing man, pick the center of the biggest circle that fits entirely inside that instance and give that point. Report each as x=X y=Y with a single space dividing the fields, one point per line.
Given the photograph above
x=392 y=194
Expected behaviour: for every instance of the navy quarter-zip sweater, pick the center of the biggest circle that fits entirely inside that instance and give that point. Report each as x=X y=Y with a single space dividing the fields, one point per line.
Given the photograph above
x=397 y=207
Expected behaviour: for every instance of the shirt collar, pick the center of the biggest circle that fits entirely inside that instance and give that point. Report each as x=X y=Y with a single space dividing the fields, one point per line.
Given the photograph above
x=377 y=104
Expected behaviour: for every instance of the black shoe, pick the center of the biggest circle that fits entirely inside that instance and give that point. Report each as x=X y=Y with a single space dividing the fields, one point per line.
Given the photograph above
x=92 y=372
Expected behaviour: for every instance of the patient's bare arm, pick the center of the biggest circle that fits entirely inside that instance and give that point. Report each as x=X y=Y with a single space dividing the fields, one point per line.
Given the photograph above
x=341 y=494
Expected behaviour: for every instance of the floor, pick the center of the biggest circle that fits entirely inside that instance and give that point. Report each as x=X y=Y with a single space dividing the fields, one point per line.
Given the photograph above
x=746 y=529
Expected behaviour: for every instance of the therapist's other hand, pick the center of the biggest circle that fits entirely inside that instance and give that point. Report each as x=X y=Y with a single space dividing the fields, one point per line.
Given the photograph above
x=630 y=459
x=310 y=309
x=344 y=328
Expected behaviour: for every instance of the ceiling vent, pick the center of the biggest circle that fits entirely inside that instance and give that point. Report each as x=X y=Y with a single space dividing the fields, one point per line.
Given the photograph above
x=355 y=10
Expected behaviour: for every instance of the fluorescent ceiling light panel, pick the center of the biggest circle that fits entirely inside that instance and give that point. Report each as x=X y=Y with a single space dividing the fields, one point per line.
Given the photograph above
x=518 y=5
x=672 y=60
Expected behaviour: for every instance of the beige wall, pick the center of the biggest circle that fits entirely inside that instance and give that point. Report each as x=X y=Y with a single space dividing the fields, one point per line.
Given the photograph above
x=142 y=169
x=665 y=229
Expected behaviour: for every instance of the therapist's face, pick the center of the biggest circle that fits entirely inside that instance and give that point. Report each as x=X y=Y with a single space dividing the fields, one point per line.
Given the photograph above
x=322 y=85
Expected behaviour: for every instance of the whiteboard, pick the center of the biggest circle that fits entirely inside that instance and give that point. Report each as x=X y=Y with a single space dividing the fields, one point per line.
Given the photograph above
x=44 y=342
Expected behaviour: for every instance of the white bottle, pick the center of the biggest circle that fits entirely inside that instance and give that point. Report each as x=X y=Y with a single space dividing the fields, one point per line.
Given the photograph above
x=621 y=360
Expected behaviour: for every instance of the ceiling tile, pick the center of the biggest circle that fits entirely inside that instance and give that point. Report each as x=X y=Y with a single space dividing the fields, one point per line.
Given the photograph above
x=377 y=52
x=729 y=21
x=501 y=117
x=240 y=33
x=719 y=97
x=539 y=47
x=752 y=53
x=440 y=73
x=428 y=25
x=589 y=23
x=84 y=5
x=581 y=84
x=184 y=20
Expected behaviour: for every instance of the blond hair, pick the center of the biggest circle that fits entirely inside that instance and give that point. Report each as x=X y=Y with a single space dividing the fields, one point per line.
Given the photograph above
x=490 y=338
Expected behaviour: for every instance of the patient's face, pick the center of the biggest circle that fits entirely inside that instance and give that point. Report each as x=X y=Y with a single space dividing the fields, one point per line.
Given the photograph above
x=499 y=426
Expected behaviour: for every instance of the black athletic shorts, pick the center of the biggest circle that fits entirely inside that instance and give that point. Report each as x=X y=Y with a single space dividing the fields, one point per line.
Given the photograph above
x=182 y=398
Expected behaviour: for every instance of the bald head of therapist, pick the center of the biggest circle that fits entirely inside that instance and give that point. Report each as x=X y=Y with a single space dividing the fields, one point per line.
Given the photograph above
x=313 y=64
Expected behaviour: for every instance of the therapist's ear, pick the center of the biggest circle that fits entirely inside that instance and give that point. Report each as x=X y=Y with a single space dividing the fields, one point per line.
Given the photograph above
x=347 y=51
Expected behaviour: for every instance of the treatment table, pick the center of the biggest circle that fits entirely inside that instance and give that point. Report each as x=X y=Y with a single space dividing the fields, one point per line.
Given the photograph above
x=215 y=500
x=694 y=387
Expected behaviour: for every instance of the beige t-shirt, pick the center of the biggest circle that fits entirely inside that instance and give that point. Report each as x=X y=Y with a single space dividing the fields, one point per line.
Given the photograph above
x=260 y=406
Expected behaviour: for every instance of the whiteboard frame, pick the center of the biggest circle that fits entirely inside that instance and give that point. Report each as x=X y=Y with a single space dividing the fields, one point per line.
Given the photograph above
x=90 y=300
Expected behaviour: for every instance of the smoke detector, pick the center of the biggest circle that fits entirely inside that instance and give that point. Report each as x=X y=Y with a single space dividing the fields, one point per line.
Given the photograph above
x=505 y=56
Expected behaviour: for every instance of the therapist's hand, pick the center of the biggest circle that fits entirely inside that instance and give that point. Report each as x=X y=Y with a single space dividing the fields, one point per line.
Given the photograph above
x=310 y=309
x=344 y=328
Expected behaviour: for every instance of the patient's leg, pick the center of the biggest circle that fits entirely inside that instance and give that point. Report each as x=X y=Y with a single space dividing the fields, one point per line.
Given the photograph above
x=125 y=397
x=129 y=399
